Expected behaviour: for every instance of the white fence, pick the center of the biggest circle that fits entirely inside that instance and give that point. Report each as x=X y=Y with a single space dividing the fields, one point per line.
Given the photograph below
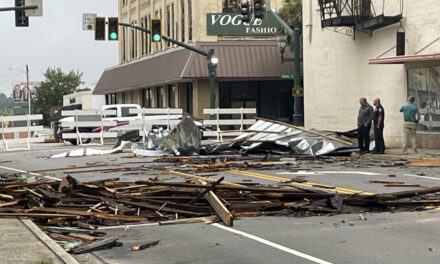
x=89 y=119
x=218 y=121
x=168 y=117
x=29 y=128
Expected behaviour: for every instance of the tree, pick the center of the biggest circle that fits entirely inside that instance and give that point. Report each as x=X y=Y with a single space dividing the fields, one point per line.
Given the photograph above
x=291 y=13
x=51 y=91
x=5 y=105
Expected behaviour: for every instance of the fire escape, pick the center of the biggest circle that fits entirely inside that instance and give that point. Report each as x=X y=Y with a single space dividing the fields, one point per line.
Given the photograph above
x=358 y=14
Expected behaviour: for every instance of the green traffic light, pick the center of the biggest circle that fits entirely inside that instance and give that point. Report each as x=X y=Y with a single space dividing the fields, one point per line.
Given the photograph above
x=113 y=35
x=156 y=37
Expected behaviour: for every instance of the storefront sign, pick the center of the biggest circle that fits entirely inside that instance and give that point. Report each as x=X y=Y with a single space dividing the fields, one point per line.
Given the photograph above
x=230 y=24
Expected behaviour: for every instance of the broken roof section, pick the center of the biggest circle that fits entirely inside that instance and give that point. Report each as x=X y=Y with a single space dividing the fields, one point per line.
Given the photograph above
x=270 y=134
x=258 y=59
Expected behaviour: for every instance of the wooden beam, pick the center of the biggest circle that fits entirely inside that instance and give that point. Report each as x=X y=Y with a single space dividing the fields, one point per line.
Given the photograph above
x=194 y=177
x=218 y=206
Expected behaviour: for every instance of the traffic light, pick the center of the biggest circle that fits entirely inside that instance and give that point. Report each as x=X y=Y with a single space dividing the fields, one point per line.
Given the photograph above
x=21 y=20
x=113 y=26
x=156 y=30
x=245 y=12
x=258 y=8
x=99 y=28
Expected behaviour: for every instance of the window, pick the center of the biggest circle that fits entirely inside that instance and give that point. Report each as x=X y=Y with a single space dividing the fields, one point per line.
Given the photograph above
x=133 y=43
x=125 y=111
x=114 y=109
x=424 y=85
x=171 y=96
x=110 y=99
x=189 y=97
x=189 y=20
x=160 y=97
x=148 y=27
x=172 y=20
x=182 y=20
x=231 y=6
x=147 y=98
x=123 y=44
x=161 y=43
x=168 y=24
x=143 y=37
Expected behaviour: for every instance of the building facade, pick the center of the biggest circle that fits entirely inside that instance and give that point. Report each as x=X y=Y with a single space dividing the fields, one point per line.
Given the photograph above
x=165 y=75
x=356 y=63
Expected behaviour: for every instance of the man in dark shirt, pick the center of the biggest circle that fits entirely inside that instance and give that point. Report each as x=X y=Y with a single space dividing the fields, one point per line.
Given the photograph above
x=364 y=125
x=378 y=122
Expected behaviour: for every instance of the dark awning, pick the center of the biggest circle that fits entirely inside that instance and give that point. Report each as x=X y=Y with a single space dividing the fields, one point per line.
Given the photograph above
x=252 y=59
x=407 y=59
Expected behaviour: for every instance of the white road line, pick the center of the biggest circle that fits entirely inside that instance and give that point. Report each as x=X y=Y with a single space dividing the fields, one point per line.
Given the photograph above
x=271 y=244
x=423 y=177
x=329 y=172
x=31 y=173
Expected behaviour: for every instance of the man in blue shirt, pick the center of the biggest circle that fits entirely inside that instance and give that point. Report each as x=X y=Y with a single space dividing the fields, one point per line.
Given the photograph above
x=411 y=116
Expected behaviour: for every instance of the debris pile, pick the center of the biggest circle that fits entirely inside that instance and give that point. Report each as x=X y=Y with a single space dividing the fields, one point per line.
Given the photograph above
x=70 y=210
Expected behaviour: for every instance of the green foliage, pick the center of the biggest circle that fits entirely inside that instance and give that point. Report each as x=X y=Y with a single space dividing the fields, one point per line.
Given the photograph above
x=5 y=105
x=50 y=93
x=291 y=13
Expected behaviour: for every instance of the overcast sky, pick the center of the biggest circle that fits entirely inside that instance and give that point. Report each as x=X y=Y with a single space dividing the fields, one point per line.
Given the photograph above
x=55 y=40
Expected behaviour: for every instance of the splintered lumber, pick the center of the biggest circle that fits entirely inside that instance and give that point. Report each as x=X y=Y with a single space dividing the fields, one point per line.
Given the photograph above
x=127 y=218
x=66 y=168
x=306 y=130
x=60 y=237
x=101 y=170
x=401 y=185
x=83 y=237
x=409 y=193
x=424 y=163
x=103 y=244
x=194 y=177
x=218 y=207
x=144 y=246
x=162 y=208
x=386 y=182
x=40 y=215
x=189 y=220
x=201 y=194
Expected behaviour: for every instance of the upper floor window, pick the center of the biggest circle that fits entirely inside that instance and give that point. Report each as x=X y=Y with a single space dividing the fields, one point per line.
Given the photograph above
x=231 y=6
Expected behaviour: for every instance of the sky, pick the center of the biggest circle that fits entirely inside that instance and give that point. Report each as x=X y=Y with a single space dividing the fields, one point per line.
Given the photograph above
x=55 y=40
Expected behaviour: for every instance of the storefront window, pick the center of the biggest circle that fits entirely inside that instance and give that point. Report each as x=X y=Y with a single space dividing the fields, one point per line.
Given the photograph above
x=160 y=97
x=424 y=85
x=171 y=96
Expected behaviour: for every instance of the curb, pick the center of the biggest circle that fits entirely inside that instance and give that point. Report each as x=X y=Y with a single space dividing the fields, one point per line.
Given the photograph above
x=52 y=245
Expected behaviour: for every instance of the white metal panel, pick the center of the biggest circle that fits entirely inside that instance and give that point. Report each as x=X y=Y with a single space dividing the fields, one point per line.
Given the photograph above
x=157 y=111
x=24 y=140
x=90 y=135
x=229 y=122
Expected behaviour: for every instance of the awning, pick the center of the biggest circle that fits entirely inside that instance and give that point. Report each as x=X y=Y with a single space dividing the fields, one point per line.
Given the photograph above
x=428 y=58
x=247 y=59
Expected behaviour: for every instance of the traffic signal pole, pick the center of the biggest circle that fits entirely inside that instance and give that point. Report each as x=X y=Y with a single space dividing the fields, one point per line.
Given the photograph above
x=208 y=54
x=298 y=109
x=18 y=8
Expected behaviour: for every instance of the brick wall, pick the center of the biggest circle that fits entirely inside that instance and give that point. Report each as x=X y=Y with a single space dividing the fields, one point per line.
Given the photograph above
x=428 y=140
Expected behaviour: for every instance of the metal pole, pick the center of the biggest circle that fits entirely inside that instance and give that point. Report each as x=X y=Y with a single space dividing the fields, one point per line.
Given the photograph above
x=29 y=90
x=298 y=107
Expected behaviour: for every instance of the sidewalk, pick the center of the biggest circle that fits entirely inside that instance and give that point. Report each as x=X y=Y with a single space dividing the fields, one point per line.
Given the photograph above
x=20 y=245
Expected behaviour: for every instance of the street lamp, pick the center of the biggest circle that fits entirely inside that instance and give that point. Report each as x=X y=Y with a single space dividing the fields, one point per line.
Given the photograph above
x=282 y=42
x=212 y=66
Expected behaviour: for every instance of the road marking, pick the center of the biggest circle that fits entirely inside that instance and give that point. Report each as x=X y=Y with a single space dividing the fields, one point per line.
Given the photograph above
x=30 y=173
x=329 y=172
x=306 y=184
x=423 y=177
x=272 y=244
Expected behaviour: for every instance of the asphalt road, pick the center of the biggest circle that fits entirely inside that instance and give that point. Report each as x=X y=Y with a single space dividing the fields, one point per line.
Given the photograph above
x=411 y=237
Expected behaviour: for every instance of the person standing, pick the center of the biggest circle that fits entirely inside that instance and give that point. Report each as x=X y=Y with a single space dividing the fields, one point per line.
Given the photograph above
x=411 y=117
x=378 y=122
x=364 y=125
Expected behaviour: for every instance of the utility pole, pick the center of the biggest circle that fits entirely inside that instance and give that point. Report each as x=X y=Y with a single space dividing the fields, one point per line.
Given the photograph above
x=29 y=90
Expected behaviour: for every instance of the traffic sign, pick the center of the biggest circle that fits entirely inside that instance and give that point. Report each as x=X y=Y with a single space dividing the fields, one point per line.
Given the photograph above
x=34 y=12
x=89 y=21
x=287 y=76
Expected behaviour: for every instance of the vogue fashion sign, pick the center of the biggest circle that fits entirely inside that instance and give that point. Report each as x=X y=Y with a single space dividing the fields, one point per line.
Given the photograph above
x=230 y=24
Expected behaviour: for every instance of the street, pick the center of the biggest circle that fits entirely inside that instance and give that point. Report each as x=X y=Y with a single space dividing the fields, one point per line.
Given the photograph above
x=384 y=237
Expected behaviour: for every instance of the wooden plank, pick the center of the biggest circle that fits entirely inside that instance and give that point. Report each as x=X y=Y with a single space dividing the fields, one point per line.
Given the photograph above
x=106 y=243
x=206 y=190
x=127 y=218
x=194 y=177
x=211 y=111
x=88 y=112
x=424 y=163
x=22 y=118
x=89 y=123
x=218 y=206
x=75 y=167
x=189 y=220
x=306 y=130
x=401 y=185
x=20 y=129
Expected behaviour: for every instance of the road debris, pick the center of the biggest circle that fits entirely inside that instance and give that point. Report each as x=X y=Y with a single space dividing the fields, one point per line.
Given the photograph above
x=144 y=246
